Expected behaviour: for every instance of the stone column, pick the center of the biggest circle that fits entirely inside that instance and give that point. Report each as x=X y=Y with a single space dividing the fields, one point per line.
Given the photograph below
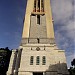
x=14 y=62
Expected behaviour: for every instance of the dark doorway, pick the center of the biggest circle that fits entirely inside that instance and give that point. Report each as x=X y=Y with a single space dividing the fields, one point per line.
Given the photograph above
x=37 y=73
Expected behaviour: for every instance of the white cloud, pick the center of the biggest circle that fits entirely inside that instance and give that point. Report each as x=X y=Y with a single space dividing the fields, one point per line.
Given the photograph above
x=61 y=40
x=69 y=29
x=62 y=10
x=63 y=15
x=74 y=55
x=69 y=60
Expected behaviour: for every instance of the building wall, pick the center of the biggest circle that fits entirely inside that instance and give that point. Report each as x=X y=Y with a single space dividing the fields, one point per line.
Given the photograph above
x=55 y=60
x=38 y=30
x=25 y=73
x=52 y=59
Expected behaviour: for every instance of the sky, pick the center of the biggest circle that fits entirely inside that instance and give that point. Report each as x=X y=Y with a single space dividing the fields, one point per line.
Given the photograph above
x=12 y=13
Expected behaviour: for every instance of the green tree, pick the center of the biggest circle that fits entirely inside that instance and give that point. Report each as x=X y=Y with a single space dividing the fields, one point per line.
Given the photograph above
x=4 y=60
x=73 y=63
x=72 y=69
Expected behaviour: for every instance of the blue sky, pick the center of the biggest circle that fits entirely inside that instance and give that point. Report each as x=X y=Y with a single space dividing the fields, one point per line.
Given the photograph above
x=11 y=24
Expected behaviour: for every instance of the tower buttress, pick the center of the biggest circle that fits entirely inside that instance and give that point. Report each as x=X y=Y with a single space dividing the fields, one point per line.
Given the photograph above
x=26 y=27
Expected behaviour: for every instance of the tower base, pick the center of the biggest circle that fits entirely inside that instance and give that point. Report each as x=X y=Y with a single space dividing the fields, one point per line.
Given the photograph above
x=55 y=62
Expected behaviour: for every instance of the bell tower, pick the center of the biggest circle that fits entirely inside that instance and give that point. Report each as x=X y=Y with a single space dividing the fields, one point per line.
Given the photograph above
x=38 y=53
x=38 y=21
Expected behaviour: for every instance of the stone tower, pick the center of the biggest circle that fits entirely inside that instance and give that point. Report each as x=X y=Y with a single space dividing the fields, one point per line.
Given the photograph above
x=38 y=53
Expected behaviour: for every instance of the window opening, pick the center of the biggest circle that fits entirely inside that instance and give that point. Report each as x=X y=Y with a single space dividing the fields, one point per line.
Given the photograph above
x=42 y=5
x=38 y=19
x=31 y=60
x=37 y=60
x=38 y=40
x=43 y=60
x=38 y=5
x=34 y=10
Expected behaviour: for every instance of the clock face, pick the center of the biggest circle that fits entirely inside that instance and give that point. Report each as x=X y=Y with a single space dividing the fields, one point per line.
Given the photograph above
x=37 y=48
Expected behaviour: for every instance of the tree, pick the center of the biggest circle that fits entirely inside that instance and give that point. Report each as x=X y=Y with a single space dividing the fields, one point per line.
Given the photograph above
x=72 y=69
x=5 y=54
x=73 y=63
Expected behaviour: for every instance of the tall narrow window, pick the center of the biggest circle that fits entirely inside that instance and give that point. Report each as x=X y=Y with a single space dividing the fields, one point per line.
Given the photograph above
x=38 y=40
x=42 y=5
x=31 y=60
x=37 y=60
x=34 y=10
x=35 y=3
x=39 y=5
x=38 y=19
x=43 y=60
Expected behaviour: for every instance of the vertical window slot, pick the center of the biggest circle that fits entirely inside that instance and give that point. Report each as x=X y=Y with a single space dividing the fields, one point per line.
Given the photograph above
x=42 y=5
x=37 y=60
x=38 y=40
x=39 y=5
x=34 y=10
x=43 y=60
x=31 y=60
x=38 y=19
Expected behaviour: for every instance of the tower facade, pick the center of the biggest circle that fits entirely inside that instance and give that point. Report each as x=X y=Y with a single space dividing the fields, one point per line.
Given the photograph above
x=38 y=53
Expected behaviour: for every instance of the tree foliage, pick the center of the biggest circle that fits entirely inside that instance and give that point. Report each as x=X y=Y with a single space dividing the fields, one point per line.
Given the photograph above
x=73 y=63
x=72 y=69
x=5 y=54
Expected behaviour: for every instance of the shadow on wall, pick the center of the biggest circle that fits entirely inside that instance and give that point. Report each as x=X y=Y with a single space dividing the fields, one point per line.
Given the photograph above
x=57 y=69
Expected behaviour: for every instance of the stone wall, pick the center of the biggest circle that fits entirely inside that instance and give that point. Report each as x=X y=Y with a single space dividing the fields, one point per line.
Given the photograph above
x=38 y=30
